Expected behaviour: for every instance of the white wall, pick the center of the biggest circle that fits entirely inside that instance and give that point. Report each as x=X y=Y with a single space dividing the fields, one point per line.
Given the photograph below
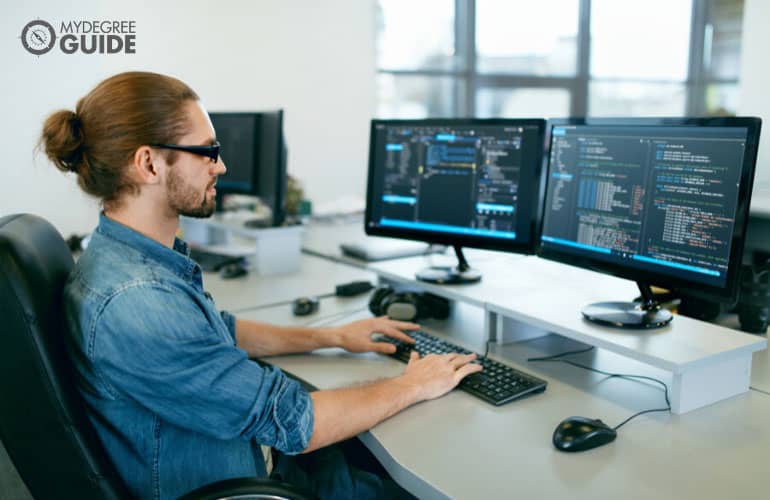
x=755 y=80
x=314 y=59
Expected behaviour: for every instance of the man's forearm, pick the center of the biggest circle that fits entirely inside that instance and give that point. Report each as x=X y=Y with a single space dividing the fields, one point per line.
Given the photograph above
x=342 y=413
x=263 y=339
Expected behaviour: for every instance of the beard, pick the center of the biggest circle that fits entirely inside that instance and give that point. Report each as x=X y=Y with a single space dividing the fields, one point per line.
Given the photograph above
x=186 y=200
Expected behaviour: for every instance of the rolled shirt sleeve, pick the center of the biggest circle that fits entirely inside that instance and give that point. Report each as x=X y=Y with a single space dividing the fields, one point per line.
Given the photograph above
x=168 y=353
x=229 y=321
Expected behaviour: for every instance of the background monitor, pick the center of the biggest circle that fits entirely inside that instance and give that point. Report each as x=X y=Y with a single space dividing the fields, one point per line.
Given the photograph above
x=459 y=182
x=658 y=201
x=254 y=150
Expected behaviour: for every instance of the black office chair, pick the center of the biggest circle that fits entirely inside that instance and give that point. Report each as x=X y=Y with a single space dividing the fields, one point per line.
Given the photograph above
x=43 y=424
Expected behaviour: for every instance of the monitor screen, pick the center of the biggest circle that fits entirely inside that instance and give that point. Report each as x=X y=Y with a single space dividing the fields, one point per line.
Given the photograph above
x=663 y=202
x=254 y=150
x=463 y=182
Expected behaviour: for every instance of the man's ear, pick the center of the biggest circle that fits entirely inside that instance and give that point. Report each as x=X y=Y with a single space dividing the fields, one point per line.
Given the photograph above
x=144 y=165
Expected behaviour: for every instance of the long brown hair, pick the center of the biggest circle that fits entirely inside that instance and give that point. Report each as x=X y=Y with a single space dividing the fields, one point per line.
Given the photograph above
x=98 y=140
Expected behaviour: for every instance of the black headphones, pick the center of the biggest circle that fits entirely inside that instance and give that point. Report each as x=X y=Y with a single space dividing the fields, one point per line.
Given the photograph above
x=407 y=305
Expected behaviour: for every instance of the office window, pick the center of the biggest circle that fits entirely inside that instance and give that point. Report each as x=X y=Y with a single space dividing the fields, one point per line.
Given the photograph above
x=636 y=99
x=416 y=35
x=527 y=38
x=416 y=96
x=721 y=57
x=557 y=57
x=721 y=99
x=722 y=44
x=634 y=69
x=522 y=102
x=640 y=40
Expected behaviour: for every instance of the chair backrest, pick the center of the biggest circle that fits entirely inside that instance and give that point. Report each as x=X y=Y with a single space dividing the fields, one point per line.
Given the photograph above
x=43 y=423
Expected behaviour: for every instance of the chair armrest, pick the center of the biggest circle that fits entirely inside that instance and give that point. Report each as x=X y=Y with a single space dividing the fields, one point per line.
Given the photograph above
x=244 y=488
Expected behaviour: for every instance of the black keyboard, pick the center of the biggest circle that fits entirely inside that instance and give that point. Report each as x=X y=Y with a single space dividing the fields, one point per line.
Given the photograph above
x=497 y=383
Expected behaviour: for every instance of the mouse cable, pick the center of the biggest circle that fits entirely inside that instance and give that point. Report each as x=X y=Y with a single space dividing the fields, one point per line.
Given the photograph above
x=759 y=390
x=486 y=349
x=560 y=358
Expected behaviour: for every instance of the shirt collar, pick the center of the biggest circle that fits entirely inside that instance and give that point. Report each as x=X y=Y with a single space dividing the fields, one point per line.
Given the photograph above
x=177 y=260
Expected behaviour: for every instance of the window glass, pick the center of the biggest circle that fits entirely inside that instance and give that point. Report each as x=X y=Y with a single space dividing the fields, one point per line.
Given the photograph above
x=525 y=37
x=522 y=102
x=722 y=43
x=527 y=54
x=722 y=99
x=407 y=96
x=647 y=40
x=416 y=34
x=636 y=99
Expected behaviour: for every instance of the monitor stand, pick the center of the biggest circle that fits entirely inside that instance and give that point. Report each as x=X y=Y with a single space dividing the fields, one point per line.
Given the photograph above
x=647 y=314
x=447 y=275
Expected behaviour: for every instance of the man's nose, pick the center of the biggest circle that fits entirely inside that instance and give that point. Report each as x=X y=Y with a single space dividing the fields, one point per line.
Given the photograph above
x=219 y=167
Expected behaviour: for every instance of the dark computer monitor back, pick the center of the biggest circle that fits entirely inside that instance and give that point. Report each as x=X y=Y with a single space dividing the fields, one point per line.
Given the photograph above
x=238 y=134
x=272 y=182
x=254 y=150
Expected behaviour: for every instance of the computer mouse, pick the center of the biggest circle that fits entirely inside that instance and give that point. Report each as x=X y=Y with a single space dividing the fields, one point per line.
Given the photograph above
x=233 y=270
x=303 y=306
x=582 y=433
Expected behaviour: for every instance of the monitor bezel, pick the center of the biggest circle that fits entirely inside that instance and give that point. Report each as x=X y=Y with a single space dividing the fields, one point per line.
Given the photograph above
x=483 y=242
x=725 y=294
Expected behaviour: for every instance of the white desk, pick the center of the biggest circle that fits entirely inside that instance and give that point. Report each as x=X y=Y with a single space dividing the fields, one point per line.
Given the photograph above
x=460 y=447
x=315 y=277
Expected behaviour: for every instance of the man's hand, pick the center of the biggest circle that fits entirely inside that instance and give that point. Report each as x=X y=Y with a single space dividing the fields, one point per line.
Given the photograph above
x=436 y=374
x=357 y=336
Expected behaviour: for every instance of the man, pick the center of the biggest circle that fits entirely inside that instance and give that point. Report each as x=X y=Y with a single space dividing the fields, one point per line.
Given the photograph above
x=166 y=377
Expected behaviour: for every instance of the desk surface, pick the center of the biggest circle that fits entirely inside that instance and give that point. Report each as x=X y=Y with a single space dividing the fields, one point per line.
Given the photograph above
x=460 y=447
x=315 y=277
x=760 y=201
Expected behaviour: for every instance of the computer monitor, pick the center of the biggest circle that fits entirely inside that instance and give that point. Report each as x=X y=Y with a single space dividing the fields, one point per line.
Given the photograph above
x=254 y=150
x=660 y=201
x=460 y=182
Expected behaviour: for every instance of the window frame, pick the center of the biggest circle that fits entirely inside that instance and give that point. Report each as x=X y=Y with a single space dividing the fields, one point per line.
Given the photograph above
x=471 y=80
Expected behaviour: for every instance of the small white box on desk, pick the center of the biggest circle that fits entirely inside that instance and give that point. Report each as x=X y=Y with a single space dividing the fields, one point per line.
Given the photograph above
x=278 y=250
x=271 y=250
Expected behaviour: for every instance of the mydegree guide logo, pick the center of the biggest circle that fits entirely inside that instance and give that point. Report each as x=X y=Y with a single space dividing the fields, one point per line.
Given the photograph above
x=39 y=37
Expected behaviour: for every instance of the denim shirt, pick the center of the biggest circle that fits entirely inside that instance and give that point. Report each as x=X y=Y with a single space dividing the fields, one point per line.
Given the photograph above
x=175 y=403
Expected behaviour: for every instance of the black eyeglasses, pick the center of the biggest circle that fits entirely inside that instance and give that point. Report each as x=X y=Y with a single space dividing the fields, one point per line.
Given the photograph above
x=210 y=151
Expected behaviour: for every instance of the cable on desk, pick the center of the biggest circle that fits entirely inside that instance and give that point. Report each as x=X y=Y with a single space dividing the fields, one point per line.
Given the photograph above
x=759 y=390
x=560 y=358
x=486 y=349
